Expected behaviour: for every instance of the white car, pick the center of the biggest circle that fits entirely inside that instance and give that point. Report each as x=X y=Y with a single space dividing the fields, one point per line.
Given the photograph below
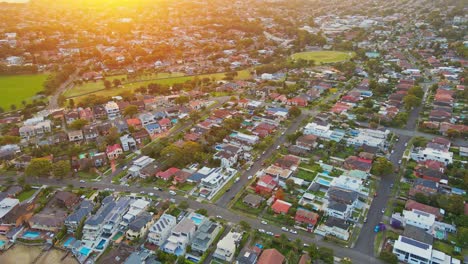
x=250 y=177
x=82 y=181
x=393 y=151
x=293 y=231
x=264 y=222
x=284 y=229
x=406 y=144
x=270 y=233
x=261 y=230
x=219 y=217
x=306 y=245
x=151 y=194
x=142 y=192
x=278 y=147
x=399 y=162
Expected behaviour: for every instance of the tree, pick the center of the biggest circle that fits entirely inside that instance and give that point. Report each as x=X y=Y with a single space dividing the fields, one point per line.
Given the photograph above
x=61 y=168
x=202 y=212
x=313 y=251
x=182 y=100
x=71 y=103
x=290 y=184
x=183 y=205
x=462 y=236
x=279 y=194
x=39 y=167
x=453 y=133
x=416 y=91
x=411 y=101
x=107 y=84
x=130 y=111
x=13 y=107
x=116 y=82
x=326 y=254
x=283 y=239
x=244 y=225
x=113 y=136
x=381 y=167
x=388 y=257
x=294 y=111
x=78 y=124
x=421 y=198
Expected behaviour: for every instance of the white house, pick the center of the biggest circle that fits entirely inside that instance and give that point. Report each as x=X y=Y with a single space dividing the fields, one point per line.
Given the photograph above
x=419 y=219
x=112 y=110
x=128 y=143
x=318 y=130
x=181 y=235
x=445 y=157
x=139 y=164
x=161 y=230
x=226 y=247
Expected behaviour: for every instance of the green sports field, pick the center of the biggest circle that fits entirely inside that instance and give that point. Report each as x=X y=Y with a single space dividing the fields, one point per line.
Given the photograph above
x=16 y=88
x=322 y=56
x=80 y=92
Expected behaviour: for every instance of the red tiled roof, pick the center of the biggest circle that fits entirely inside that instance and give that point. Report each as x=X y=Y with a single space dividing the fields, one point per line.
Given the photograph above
x=271 y=256
x=280 y=207
x=113 y=148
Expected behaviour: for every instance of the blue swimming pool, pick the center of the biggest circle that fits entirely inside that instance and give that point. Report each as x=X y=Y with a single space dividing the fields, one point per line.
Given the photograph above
x=2 y=243
x=85 y=251
x=197 y=219
x=101 y=244
x=323 y=182
x=69 y=241
x=31 y=234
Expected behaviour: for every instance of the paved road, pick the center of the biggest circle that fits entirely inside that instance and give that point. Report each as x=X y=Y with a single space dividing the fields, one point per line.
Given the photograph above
x=258 y=165
x=355 y=255
x=53 y=100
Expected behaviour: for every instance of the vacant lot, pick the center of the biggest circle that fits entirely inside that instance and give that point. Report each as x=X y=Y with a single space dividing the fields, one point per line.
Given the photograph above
x=97 y=88
x=321 y=57
x=17 y=88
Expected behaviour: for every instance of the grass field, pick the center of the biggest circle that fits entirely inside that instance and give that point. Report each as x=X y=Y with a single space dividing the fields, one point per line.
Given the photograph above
x=97 y=88
x=321 y=57
x=16 y=88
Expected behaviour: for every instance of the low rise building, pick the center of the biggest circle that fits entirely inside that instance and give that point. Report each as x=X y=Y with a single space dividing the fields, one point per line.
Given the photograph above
x=226 y=247
x=161 y=230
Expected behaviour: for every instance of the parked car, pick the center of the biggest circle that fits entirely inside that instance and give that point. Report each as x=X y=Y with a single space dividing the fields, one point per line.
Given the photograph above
x=250 y=177
x=172 y=192
x=261 y=230
x=284 y=229
x=383 y=210
x=292 y=231
x=270 y=233
x=82 y=181
x=264 y=223
x=219 y=217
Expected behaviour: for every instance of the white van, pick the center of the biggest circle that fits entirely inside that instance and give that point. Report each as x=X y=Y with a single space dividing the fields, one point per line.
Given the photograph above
x=172 y=193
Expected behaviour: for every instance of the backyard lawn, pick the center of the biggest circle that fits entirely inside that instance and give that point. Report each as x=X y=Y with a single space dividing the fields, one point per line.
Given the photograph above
x=26 y=195
x=322 y=57
x=16 y=88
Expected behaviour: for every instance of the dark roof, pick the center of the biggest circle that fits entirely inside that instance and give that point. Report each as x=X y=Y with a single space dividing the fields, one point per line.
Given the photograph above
x=140 y=221
x=341 y=207
x=418 y=234
x=426 y=183
x=107 y=205
x=247 y=256
x=342 y=195
x=333 y=221
x=84 y=209
x=431 y=173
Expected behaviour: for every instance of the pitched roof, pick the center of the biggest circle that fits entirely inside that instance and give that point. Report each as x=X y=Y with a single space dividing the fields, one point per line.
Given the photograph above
x=280 y=206
x=271 y=256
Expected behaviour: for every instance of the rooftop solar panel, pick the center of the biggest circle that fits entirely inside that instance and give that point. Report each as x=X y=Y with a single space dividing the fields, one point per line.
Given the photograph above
x=414 y=243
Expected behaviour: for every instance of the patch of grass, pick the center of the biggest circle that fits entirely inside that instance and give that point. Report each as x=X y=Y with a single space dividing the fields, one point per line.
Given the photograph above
x=186 y=187
x=306 y=175
x=321 y=57
x=116 y=178
x=131 y=86
x=87 y=175
x=377 y=242
x=26 y=195
x=16 y=88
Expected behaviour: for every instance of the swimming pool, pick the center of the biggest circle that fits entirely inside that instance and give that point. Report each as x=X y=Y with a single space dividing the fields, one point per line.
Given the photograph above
x=2 y=243
x=196 y=220
x=85 y=251
x=101 y=244
x=31 y=234
x=323 y=182
x=69 y=241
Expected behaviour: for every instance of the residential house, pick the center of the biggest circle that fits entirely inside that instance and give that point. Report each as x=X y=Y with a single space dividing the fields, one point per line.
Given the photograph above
x=357 y=163
x=413 y=205
x=139 y=164
x=341 y=202
x=248 y=256
x=114 y=151
x=253 y=200
x=204 y=236
x=153 y=129
x=139 y=226
x=165 y=124
x=66 y=200
x=71 y=116
x=112 y=110
x=226 y=247
x=281 y=207
x=6 y=205
x=128 y=143
x=99 y=112
x=166 y=175
x=81 y=212
x=430 y=174
x=120 y=124
x=334 y=227
x=135 y=123
x=141 y=137
x=266 y=184
x=90 y=132
x=304 y=216
x=271 y=256
x=181 y=235
x=161 y=230
x=75 y=135
x=307 y=142
x=147 y=118
x=86 y=114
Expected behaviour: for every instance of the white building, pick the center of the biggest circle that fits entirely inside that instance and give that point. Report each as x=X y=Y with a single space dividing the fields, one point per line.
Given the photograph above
x=161 y=230
x=445 y=157
x=370 y=137
x=128 y=143
x=349 y=183
x=318 y=130
x=35 y=129
x=139 y=164
x=181 y=235
x=226 y=247
x=412 y=251
x=112 y=110
x=419 y=219
x=136 y=207
x=6 y=205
